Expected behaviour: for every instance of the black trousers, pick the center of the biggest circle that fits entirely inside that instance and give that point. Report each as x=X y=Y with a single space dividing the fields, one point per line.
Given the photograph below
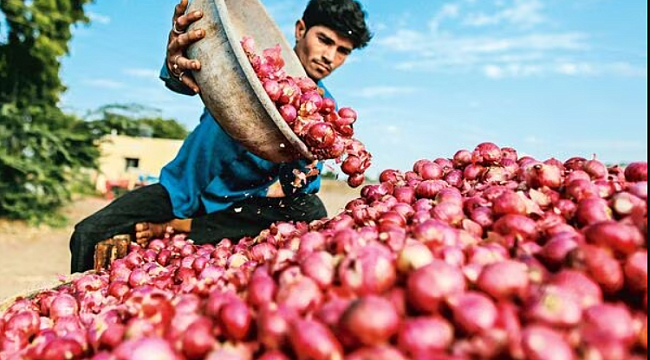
x=152 y=204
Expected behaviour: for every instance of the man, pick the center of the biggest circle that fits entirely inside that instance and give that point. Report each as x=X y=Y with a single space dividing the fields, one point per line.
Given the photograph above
x=215 y=188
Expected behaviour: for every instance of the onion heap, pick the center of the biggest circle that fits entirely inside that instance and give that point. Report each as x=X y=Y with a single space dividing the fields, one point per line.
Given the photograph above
x=325 y=129
x=485 y=255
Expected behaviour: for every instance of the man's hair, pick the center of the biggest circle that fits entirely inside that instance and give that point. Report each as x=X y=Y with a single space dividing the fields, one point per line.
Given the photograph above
x=343 y=16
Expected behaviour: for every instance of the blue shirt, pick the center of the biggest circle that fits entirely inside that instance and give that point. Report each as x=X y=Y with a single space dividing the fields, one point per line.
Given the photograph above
x=214 y=170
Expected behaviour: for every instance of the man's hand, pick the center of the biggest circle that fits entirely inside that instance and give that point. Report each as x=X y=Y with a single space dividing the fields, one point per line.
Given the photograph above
x=179 y=40
x=109 y=250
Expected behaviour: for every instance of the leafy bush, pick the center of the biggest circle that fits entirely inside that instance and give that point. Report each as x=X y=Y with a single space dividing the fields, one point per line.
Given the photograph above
x=41 y=151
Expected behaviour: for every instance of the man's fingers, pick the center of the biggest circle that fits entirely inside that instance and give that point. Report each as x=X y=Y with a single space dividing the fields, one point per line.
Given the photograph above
x=184 y=40
x=180 y=9
x=189 y=81
x=187 y=65
x=184 y=21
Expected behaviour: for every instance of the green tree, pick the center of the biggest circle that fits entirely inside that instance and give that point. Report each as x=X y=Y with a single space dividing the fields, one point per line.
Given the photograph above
x=38 y=32
x=134 y=120
x=41 y=148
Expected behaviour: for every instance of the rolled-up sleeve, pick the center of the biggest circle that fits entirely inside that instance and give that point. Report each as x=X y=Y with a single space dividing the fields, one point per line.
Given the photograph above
x=173 y=83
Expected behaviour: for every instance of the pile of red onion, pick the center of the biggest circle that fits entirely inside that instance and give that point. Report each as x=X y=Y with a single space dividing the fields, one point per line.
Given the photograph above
x=485 y=255
x=325 y=129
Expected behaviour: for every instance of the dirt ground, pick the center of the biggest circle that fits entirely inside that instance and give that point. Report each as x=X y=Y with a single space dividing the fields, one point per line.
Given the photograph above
x=34 y=257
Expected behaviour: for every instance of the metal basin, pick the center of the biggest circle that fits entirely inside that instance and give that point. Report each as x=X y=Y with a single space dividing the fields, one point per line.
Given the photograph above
x=230 y=89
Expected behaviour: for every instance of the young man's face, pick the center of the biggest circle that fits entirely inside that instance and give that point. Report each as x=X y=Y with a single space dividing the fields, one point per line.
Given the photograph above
x=320 y=49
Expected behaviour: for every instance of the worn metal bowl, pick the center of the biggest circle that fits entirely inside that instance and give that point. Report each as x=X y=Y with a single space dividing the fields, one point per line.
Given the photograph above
x=229 y=86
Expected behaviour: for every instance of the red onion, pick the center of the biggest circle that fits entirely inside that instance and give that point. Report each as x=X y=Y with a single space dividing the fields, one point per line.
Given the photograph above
x=301 y=295
x=639 y=189
x=454 y=178
x=554 y=306
x=273 y=325
x=422 y=335
x=581 y=189
x=429 y=188
x=585 y=290
x=146 y=348
x=311 y=340
x=236 y=319
x=473 y=171
x=575 y=163
x=62 y=348
x=516 y=225
x=509 y=202
x=347 y=112
x=624 y=203
x=486 y=153
x=504 y=279
x=261 y=288
x=63 y=305
x=197 y=339
x=372 y=320
x=371 y=271
x=595 y=169
x=430 y=171
x=413 y=256
x=430 y=284
x=273 y=355
x=636 y=171
x=473 y=312
x=543 y=343
x=614 y=321
x=558 y=247
x=462 y=158
x=320 y=267
x=381 y=352
x=636 y=271
x=625 y=239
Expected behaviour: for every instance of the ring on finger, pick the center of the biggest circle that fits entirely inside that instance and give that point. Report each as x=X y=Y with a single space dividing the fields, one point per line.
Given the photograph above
x=180 y=76
x=175 y=29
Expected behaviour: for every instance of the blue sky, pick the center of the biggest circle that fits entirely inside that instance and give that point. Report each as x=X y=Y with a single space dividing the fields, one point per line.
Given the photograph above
x=551 y=78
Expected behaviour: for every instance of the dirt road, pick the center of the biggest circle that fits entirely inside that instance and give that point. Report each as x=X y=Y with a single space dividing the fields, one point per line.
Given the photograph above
x=33 y=257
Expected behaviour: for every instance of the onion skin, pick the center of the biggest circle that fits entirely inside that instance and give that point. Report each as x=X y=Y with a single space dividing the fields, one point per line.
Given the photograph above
x=429 y=285
x=422 y=335
x=198 y=339
x=613 y=321
x=504 y=279
x=372 y=320
x=636 y=271
x=311 y=340
x=624 y=239
x=473 y=312
x=542 y=343
x=636 y=171
x=583 y=288
x=383 y=352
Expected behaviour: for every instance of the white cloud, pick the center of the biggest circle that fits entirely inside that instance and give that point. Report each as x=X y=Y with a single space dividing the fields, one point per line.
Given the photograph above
x=493 y=71
x=383 y=91
x=447 y=11
x=523 y=13
x=627 y=69
x=104 y=83
x=568 y=68
x=512 y=48
x=99 y=18
x=592 y=69
x=142 y=73
x=512 y=70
